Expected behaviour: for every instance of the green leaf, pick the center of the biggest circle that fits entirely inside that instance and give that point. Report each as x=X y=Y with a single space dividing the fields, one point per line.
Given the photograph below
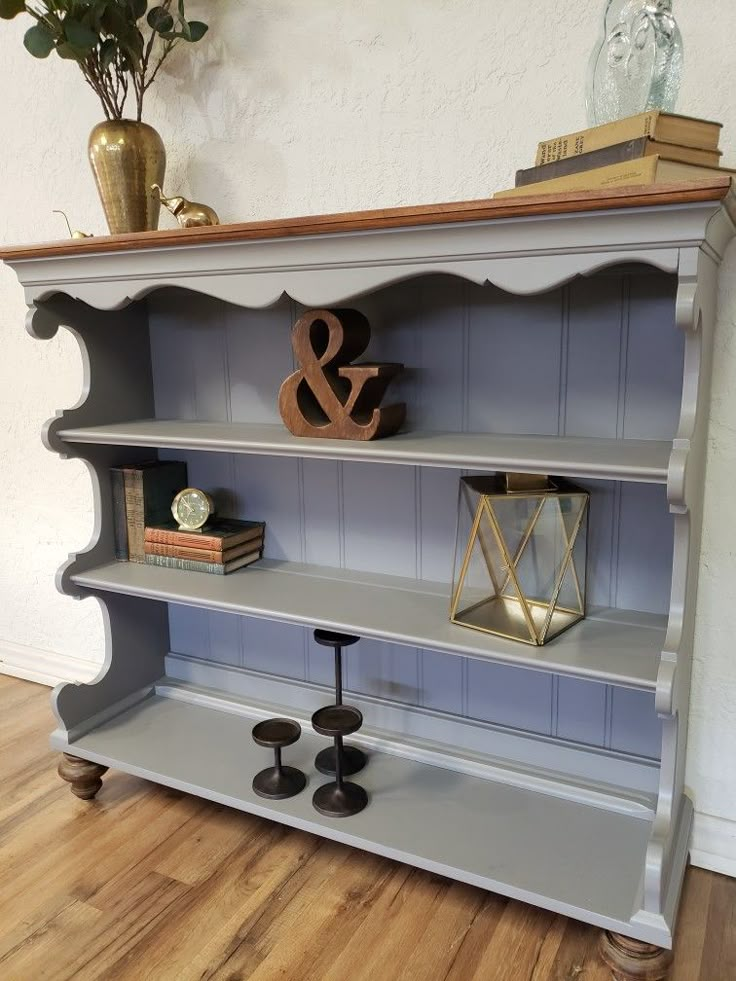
x=197 y=30
x=130 y=41
x=138 y=7
x=92 y=12
x=114 y=21
x=39 y=41
x=67 y=52
x=11 y=8
x=82 y=38
x=160 y=20
x=179 y=14
x=108 y=52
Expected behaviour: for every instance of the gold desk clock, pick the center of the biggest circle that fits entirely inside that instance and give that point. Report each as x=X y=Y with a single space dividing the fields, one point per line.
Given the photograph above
x=192 y=508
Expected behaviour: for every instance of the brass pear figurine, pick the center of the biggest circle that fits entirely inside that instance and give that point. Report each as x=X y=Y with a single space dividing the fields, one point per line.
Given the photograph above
x=189 y=214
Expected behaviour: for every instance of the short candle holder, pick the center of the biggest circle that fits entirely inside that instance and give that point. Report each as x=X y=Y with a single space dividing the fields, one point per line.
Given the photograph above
x=339 y=798
x=353 y=759
x=278 y=782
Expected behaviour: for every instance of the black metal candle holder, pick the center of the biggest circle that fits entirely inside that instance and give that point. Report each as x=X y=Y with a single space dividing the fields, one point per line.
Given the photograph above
x=278 y=782
x=339 y=798
x=354 y=759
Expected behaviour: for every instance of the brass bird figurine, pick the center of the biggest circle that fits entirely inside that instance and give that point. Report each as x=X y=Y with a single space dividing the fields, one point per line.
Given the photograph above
x=189 y=214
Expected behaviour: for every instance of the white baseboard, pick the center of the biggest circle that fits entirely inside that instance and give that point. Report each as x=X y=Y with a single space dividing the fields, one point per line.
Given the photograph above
x=713 y=844
x=43 y=667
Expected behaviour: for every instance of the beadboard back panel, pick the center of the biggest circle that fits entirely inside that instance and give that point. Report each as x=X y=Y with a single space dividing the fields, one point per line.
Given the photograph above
x=601 y=357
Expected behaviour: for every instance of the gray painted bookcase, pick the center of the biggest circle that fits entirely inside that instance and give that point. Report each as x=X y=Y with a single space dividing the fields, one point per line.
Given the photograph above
x=569 y=335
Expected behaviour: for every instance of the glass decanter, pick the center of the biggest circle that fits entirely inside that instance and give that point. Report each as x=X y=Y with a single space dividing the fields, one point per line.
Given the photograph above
x=638 y=63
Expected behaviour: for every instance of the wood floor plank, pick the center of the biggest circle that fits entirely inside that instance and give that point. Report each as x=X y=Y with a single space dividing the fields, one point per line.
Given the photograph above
x=479 y=934
x=43 y=952
x=577 y=956
x=444 y=934
x=297 y=935
x=198 y=851
x=223 y=907
x=148 y=883
x=692 y=925
x=719 y=949
x=511 y=954
x=403 y=926
x=368 y=933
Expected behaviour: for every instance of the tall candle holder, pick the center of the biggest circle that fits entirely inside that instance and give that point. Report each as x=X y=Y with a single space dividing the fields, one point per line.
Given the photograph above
x=354 y=759
x=340 y=798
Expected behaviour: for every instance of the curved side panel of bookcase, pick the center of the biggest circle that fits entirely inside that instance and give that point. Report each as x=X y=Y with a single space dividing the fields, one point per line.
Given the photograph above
x=114 y=387
x=136 y=642
x=667 y=850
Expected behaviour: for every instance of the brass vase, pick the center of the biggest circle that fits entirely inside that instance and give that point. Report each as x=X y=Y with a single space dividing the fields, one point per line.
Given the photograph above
x=127 y=157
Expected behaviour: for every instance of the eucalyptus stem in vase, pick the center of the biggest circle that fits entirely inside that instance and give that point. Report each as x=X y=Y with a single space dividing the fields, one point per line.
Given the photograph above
x=119 y=46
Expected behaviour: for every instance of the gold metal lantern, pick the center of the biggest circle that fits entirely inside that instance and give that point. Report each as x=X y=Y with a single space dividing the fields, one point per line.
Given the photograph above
x=520 y=556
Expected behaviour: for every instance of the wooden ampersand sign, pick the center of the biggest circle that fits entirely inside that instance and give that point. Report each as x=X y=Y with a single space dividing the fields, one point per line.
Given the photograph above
x=329 y=396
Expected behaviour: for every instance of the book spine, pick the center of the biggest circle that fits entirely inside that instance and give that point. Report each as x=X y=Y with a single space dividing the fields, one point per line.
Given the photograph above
x=629 y=173
x=120 y=520
x=188 y=565
x=204 y=554
x=588 y=140
x=135 y=512
x=183 y=539
x=631 y=150
x=181 y=552
x=215 y=543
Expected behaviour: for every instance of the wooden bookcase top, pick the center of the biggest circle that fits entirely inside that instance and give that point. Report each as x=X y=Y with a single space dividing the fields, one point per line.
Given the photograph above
x=715 y=189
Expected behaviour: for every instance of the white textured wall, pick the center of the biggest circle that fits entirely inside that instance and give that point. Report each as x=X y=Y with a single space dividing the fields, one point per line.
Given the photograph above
x=293 y=107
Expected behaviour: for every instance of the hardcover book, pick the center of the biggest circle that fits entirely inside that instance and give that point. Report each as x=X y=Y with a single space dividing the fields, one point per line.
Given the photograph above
x=120 y=519
x=204 y=554
x=630 y=150
x=213 y=568
x=148 y=490
x=218 y=535
x=649 y=170
x=658 y=125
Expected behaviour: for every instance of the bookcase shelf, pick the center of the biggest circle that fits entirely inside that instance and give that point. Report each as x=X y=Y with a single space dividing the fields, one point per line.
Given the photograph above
x=609 y=459
x=613 y=646
x=184 y=341
x=436 y=816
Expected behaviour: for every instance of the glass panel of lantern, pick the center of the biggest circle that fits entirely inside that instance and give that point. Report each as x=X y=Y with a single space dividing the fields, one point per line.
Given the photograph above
x=520 y=556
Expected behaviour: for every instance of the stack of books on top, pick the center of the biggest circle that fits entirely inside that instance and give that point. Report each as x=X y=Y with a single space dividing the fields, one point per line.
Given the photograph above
x=651 y=148
x=222 y=546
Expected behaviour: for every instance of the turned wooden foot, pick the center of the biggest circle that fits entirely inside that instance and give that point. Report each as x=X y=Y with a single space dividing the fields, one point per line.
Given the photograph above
x=85 y=777
x=633 y=960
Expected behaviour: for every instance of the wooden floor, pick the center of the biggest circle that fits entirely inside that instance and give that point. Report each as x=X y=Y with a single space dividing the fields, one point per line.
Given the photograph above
x=149 y=883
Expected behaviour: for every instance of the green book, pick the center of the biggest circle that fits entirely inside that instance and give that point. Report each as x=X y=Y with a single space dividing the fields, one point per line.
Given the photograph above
x=149 y=490
x=213 y=568
x=119 y=516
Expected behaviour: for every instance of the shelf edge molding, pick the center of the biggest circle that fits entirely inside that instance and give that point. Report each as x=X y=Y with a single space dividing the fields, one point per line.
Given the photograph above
x=604 y=459
x=617 y=648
